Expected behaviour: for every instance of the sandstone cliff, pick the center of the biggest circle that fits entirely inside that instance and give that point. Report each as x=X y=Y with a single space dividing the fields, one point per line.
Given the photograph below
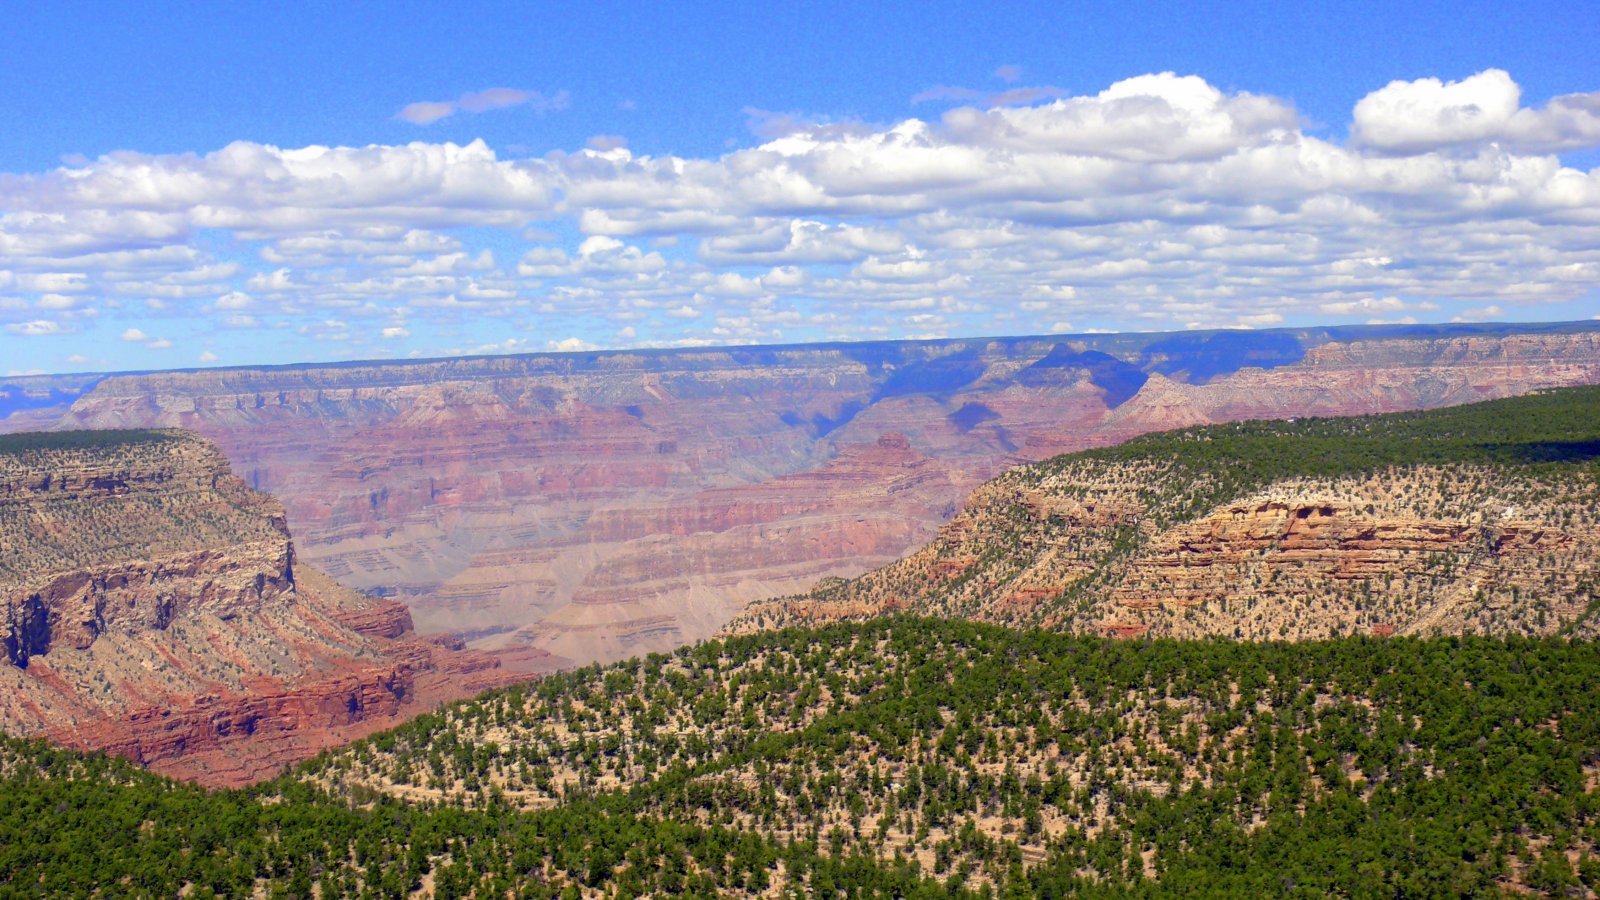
x=1482 y=519
x=593 y=505
x=151 y=605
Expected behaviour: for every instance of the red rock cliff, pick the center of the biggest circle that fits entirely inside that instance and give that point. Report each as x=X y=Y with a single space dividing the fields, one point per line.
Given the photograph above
x=150 y=605
x=599 y=504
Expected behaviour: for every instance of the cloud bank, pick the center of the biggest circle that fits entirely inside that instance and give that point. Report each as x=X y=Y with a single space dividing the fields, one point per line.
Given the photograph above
x=1159 y=202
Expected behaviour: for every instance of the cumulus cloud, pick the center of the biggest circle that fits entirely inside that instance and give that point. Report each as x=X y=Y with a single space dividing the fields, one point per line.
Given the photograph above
x=1160 y=201
x=1154 y=118
x=206 y=356
x=570 y=345
x=137 y=336
x=426 y=112
x=1429 y=114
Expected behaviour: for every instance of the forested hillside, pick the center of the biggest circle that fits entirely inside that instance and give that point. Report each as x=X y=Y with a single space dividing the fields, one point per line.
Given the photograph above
x=901 y=757
x=1432 y=728
x=1481 y=519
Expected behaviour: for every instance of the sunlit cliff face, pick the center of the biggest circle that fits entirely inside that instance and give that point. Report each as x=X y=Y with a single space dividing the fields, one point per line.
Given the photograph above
x=596 y=506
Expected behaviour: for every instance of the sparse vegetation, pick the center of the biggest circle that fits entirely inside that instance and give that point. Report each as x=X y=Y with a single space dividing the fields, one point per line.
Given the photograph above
x=903 y=757
x=1481 y=518
x=82 y=498
x=907 y=756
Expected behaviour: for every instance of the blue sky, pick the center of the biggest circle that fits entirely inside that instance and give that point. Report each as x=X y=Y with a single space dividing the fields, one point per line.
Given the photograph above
x=523 y=177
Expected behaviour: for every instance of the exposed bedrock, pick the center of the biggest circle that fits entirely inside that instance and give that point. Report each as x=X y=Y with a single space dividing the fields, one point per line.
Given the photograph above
x=151 y=606
x=500 y=496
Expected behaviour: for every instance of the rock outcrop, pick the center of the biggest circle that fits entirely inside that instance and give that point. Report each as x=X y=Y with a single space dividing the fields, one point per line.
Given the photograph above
x=1484 y=521
x=151 y=605
x=596 y=504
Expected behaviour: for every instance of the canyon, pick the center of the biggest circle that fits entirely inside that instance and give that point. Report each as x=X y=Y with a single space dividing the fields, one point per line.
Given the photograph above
x=1482 y=519
x=568 y=508
x=152 y=605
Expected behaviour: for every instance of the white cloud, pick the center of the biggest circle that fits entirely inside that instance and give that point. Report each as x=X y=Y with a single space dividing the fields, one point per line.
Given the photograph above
x=1363 y=306
x=1158 y=202
x=1429 y=114
x=605 y=142
x=426 y=112
x=276 y=280
x=732 y=284
x=597 y=255
x=571 y=345
x=137 y=336
x=1161 y=117
x=783 y=277
x=1480 y=314
x=36 y=328
x=206 y=356
x=395 y=333
x=58 y=282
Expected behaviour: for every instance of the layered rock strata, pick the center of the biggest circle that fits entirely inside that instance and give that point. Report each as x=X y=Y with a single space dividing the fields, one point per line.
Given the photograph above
x=151 y=605
x=1141 y=545
x=594 y=505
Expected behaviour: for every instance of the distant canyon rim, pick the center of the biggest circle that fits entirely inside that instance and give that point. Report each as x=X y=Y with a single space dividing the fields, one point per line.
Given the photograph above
x=593 y=506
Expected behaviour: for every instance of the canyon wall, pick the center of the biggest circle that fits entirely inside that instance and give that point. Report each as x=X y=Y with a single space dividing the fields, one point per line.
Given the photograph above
x=596 y=505
x=1486 y=521
x=151 y=605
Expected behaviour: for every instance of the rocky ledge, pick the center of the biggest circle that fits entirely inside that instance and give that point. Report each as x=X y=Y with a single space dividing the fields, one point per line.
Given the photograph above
x=151 y=605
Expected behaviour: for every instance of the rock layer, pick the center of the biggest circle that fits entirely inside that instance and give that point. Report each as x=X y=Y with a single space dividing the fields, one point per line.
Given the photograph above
x=151 y=606
x=592 y=505
x=1484 y=536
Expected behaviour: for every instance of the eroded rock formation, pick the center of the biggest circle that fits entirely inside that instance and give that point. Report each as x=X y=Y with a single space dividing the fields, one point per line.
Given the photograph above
x=151 y=605
x=1174 y=542
x=594 y=505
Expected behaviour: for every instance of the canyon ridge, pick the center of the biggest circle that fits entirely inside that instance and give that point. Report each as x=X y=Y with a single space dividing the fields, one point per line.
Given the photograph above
x=152 y=606
x=568 y=508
